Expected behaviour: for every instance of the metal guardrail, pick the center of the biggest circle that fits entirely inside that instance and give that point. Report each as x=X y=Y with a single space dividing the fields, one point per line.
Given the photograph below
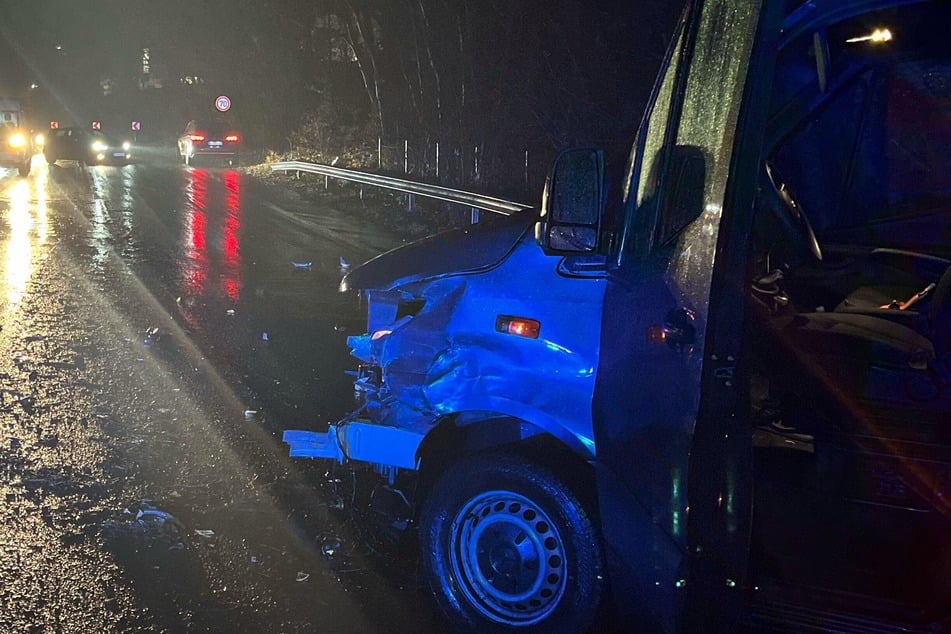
x=469 y=199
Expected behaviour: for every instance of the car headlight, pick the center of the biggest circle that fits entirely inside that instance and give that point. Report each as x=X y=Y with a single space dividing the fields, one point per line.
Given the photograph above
x=99 y=146
x=126 y=146
x=17 y=140
x=39 y=139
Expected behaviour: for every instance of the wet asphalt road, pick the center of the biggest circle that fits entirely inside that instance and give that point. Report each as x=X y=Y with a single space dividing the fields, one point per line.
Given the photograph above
x=161 y=326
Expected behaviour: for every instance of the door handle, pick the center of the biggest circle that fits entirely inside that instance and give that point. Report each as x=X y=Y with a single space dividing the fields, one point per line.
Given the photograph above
x=680 y=330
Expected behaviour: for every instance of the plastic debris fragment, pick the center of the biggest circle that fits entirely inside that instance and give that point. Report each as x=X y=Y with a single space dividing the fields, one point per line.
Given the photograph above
x=330 y=547
x=230 y=312
x=264 y=336
x=154 y=516
x=150 y=336
x=153 y=526
x=302 y=265
x=207 y=533
x=250 y=413
x=302 y=576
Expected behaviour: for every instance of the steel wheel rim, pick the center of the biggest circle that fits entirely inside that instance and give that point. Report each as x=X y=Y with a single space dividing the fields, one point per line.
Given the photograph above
x=509 y=558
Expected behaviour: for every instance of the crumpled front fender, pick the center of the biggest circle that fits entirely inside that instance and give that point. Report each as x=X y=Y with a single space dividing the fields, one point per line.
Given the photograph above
x=451 y=357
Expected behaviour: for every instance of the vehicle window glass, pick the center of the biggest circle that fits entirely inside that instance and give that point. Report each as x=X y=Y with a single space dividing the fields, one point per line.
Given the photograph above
x=647 y=153
x=882 y=142
x=705 y=122
x=873 y=146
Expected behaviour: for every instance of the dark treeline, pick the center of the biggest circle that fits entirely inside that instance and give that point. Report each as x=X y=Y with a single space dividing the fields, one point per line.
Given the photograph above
x=492 y=76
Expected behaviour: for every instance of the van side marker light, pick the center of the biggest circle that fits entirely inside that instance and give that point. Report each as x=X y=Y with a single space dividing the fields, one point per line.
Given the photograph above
x=519 y=326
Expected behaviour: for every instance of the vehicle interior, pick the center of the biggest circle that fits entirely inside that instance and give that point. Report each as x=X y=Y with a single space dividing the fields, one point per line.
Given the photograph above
x=850 y=319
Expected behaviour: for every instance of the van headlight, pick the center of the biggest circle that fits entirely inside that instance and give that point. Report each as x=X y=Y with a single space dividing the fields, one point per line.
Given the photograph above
x=17 y=140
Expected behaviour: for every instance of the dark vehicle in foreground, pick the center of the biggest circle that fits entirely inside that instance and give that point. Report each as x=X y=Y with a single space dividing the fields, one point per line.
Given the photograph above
x=90 y=147
x=211 y=141
x=16 y=146
x=714 y=397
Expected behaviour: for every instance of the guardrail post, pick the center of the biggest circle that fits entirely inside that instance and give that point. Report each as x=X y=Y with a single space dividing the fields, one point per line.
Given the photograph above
x=379 y=152
x=526 y=167
x=410 y=202
x=406 y=156
x=437 y=161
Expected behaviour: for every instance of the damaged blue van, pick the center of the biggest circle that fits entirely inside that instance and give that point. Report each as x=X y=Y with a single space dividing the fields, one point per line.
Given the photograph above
x=709 y=390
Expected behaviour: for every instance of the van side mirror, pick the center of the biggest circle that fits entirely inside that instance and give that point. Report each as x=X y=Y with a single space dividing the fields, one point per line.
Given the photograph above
x=572 y=203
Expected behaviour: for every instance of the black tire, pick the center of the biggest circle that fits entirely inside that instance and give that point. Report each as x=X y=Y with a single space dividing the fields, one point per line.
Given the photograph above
x=25 y=168
x=50 y=158
x=506 y=545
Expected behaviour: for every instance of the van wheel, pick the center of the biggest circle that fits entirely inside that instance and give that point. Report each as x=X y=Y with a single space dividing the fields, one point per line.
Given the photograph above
x=25 y=168
x=505 y=544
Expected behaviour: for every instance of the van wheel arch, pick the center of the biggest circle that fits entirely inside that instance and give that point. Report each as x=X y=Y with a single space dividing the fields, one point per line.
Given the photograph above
x=449 y=443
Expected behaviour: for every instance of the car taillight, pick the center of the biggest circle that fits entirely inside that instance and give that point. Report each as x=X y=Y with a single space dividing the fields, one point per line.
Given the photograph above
x=232 y=138
x=198 y=137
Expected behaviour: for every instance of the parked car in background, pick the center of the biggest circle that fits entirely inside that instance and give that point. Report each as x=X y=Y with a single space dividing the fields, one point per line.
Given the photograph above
x=91 y=147
x=212 y=140
x=16 y=147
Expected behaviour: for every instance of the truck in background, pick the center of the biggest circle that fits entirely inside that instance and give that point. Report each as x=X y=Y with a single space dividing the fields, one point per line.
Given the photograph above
x=710 y=391
x=16 y=144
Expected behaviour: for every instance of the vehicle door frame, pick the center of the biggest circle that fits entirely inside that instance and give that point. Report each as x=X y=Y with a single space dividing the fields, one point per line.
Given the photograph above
x=675 y=493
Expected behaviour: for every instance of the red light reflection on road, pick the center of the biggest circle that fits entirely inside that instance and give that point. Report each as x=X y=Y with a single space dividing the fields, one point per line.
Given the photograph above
x=211 y=225
x=230 y=245
x=194 y=268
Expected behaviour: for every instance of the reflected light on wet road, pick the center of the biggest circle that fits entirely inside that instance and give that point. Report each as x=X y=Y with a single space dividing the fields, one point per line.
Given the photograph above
x=29 y=228
x=194 y=263
x=111 y=199
x=231 y=279
x=211 y=227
